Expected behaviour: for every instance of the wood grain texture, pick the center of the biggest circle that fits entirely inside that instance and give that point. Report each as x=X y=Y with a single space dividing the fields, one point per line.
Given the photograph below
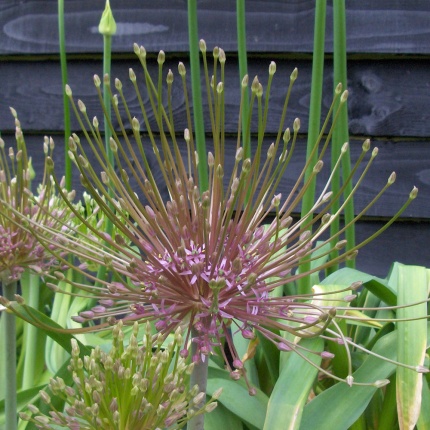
x=387 y=97
x=405 y=158
x=385 y=26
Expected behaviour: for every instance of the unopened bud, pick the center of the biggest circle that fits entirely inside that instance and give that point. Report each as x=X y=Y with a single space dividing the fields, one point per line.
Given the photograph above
x=294 y=74
x=107 y=26
x=318 y=166
x=413 y=193
x=344 y=96
x=392 y=178
x=366 y=145
x=338 y=88
x=169 y=78
x=296 y=125
x=161 y=58
x=272 y=68
x=245 y=81
x=181 y=69
x=381 y=383
x=202 y=46
x=222 y=56
x=132 y=75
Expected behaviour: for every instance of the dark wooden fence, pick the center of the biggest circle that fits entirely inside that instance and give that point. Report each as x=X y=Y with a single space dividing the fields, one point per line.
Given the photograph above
x=388 y=79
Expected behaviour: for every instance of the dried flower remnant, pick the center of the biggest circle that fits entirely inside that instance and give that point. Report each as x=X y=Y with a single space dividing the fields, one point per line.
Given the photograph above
x=19 y=248
x=207 y=258
x=133 y=386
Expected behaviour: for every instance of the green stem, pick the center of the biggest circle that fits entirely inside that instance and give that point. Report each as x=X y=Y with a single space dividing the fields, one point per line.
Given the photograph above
x=66 y=108
x=304 y=284
x=340 y=133
x=199 y=377
x=31 y=336
x=107 y=55
x=199 y=125
x=9 y=291
x=243 y=69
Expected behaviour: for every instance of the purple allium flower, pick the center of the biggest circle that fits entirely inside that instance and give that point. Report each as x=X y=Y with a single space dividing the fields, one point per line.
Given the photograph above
x=214 y=260
x=19 y=247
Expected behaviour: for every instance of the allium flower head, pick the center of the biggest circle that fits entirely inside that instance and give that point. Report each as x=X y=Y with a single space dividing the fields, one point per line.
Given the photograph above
x=213 y=259
x=133 y=386
x=19 y=248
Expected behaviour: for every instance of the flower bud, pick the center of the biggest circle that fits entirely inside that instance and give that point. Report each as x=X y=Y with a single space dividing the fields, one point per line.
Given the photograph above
x=107 y=25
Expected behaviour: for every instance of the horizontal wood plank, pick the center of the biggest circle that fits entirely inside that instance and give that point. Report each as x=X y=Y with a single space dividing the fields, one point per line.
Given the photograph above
x=385 y=26
x=405 y=158
x=387 y=98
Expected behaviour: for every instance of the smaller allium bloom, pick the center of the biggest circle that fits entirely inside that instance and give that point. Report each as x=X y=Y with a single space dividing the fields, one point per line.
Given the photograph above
x=19 y=248
x=207 y=257
x=136 y=385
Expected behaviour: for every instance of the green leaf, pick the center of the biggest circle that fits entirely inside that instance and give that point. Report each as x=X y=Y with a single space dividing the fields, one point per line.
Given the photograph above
x=423 y=422
x=292 y=388
x=235 y=397
x=222 y=418
x=379 y=287
x=341 y=405
x=412 y=283
x=50 y=327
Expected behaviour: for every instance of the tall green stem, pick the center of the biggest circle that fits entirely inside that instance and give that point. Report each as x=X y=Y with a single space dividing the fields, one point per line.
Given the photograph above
x=66 y=109
x=199 y=377
x=31 y=335
x=340 y=133
x=243 y=69
x=199 y=125
x=107 y=28
x=9 y=291
x=314 y=120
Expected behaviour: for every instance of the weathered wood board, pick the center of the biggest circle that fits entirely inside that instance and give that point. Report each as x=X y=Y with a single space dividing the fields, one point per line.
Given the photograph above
x=383 y=26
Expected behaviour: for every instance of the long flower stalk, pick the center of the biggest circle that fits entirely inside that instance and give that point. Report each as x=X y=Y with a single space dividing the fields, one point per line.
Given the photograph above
x=66 y=106
x=243 y=68
x=314 y=127
x=341 y=134
x=198 y=123
x=31 y=333
x=11 y=417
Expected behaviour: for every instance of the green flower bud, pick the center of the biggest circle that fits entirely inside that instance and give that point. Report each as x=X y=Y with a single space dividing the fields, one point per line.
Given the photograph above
x=107 y=26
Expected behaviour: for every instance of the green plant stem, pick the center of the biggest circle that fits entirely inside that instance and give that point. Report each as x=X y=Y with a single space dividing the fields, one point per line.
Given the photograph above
x=199 y=125
x=66 y=108
x=243 y=70
x=107 y=55
x=31 y=336
x=314 y=121
x=199 y=377
x=9 y=291
x=340 y=133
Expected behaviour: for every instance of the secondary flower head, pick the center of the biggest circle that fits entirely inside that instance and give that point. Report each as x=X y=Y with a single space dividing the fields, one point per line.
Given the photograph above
x=213 y=259
x=19 y=248
x=133 y=386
